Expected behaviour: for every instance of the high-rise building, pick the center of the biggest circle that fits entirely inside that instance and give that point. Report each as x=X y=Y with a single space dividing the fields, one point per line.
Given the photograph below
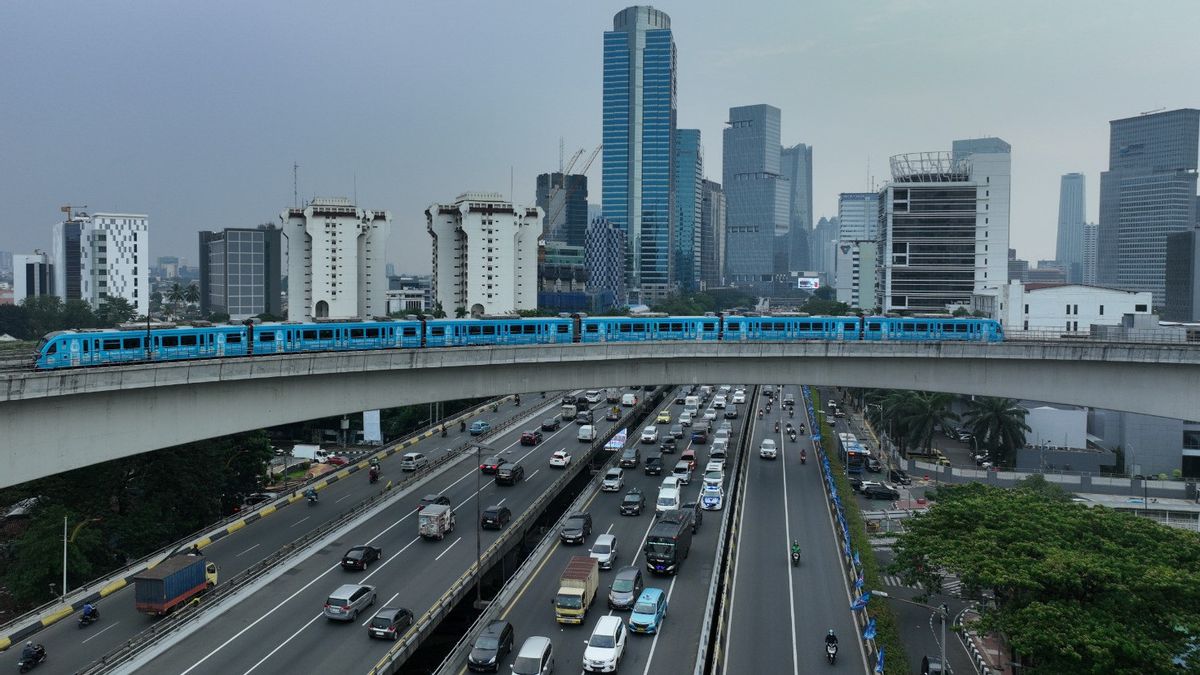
x=33 y=276
x=564 y=201
x=336 y=260
x=65 y=252
x=796 y=166
x=1072 y=216
x=855 y=284
x=823 y=249
x=6 y=264
x=1018 y=269
x=712 y=236
x=1148 y=192
x=604 y=255
x=639 y=131
x=1182 y=287
x=858 y=216
x=113 y=258
x=485 y=253
x=688 y=181
x=944 y=219
x=1088 y=274
x=756 y=194
x=241 y=272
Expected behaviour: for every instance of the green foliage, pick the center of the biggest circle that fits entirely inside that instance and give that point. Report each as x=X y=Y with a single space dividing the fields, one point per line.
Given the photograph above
x=37 y=316
x=998 y=425
x=819 y=307
x=825 y=293
x=920 y=413
x=460 y=312
x=218 y=317
x=438 y=312
x=192 y=293
x=696 y=304
x=115 y=311
x=961 y=312
x=1077 y=589
x=267 y=316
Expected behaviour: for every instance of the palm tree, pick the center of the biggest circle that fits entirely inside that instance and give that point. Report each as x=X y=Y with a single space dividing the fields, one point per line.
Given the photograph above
x=998 y=425
x=192 y=294
x=460 y=312
x=175 y=295
x=921 y=413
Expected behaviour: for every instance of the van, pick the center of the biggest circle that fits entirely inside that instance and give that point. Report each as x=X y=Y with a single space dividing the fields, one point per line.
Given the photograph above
x=411 y=461
x=587 y=433
x=718 y=449
x=535 y=658
x=691 y=402
x=628 y=400
x=668 y=500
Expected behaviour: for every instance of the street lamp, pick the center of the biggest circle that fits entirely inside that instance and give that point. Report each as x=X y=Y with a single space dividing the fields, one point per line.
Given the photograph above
x=943 y=611
x=479 y=448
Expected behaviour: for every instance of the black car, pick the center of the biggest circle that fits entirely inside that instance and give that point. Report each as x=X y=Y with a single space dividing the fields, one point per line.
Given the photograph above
x=899 y=476
x=490 y=464
x=633 y=503
x=667 y=447
x=551 y=424
x=680 y=397
x=697 y=514
x=576 y=528
x=495 y=517
x=360 y=557
x=569 y=399
x=510 y=474
x=390 y=623
x=494 y=643
x=653 y=465
x=874 y=465
x=630 y=458
x=531 y=437
x=433 y=499
x=731 y=412
x=876 y=491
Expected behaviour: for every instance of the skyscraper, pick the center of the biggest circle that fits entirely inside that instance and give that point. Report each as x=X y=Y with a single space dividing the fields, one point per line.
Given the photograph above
x=639 y=132
x=688 y=181
x=796 y=166
x=65 y=256
x=1148 y=192
x=604 y=257
x=33 y=276
x=563 y=200
x=756 y=194
x=1182 y=276
x=335 y=260
x=103 y=255
x=712 y=236
x=823 y=248
x=858 y=214
x=1088 y=275
x=1072 y=216
x=240 y=272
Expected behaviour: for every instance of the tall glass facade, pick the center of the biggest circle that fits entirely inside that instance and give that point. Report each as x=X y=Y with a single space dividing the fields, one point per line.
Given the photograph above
x=638 y=130
x=797 y=167
x=1071 y=219
x=689 y=197
x=756 y=194
x=563 y=200
x=240 y=272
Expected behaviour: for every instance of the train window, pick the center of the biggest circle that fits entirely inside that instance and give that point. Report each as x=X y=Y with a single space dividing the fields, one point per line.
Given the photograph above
x=489 y=330
x=908 y=325
x=131 y=343
x=530 y=329
x=409 y=331
x=53 y=348
x=437 y=330
x=564 y=328
x=326 y=334
x=473 y=330
x=233 y=339
x=372 y=332
x=357 y=333
x=187 y=340
x=923 y=326
x=309 y=335
x=590 y=328
x=625 y=328
x=112 y=344
x=676 y=328
x=268 y=336
x=709 y=326
x=168 y=341
x=779 y=326
x=86 y=344
x=733 y=327
x=806 y=326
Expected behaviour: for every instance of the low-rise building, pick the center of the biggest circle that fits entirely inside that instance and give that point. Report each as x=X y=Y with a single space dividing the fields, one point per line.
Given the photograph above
x=1058 y=307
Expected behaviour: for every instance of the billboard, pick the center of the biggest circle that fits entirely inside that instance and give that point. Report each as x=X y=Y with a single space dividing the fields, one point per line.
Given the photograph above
x=371 y=431
x=808 y=283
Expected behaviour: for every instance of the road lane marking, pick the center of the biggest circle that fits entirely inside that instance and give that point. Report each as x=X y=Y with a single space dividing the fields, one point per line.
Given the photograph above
x=654 y=643
x=737 y=557
x=439 y=557
x=247 y=550
x=97 y=634
x=787 y=526
x=530 y=476
x=300 y=521
x=346 y=496
x=282 y=644
x=372 y=617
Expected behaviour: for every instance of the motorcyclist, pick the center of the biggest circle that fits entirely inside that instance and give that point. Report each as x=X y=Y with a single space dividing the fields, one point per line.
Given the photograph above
x=776 y=426
x=195 y=550
x=89 y=611
x=375 y=463
x=831 y=638
x=760 y=413
x=517 y=398
x=311 y=494
x=30 y=652
x=462 y=426
x=373 y=474
x=795 y=547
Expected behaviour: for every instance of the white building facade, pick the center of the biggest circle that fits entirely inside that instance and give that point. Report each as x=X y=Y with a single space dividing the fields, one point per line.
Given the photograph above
x=33 y=276
x=336 y=267
x=485 y=253
x=855 y=284
x=114 y=259
x=1060 y=308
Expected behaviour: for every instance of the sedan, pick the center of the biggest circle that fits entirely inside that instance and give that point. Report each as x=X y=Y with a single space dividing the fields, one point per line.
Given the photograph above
x=614 y=480
x=880 y=491
x=739 y=396
x=731 y=412
x=667 y=446
x=336 y=460
x=551 y=424
x=560 y=459
x=495 y=517
x=532 y=437
x=676 y=431
x=712 y=498
x=360 y=557
x=390 y=623
x=633 y=503
x=490 y=464
x=480 y=427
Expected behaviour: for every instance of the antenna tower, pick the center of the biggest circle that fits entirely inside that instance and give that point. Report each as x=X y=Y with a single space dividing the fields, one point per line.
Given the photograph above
x=295 y=185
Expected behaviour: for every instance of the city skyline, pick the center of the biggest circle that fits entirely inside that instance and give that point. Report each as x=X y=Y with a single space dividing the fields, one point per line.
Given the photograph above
x=196 y=142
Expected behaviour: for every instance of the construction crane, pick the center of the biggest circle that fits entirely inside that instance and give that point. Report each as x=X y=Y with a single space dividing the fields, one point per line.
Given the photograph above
x=558 y=209
x=71 y=210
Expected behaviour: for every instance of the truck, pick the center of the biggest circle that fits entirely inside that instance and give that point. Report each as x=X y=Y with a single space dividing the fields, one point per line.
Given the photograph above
x=576 y=589
x=172 y=582
x=309 y=451
x=612 y=395
x=435 y=520
x=569 y=411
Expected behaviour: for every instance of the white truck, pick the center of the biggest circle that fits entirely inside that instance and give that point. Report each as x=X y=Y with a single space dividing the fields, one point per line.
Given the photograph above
x=435 y=521
x=309 y=451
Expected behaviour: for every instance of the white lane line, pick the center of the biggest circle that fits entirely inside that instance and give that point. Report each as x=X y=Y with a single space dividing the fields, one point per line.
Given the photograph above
x=654 y=644
x=787 y=526
x=281 y=644
x=247 y=550
x=300 y=521
x=447 y=549
x=370 y=618
x=501 y=501
x=346 y=496
x=530 y=476
x=737 y=557
x=97 y=634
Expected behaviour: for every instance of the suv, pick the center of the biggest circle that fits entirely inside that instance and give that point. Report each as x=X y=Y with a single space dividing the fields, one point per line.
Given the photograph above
x=767 y=449
x=359 y=557
x=633 y=503
x=650 y=434
x=347 y=601
x=576 y=528
x=630 y=458
x=494 y=643
x=880 y=491
x=510 y=473
x=614 y=480
x=536 y=657
x=700 y=436
x=653 y=465
x=606 y=646
x=551 y=424
x=899 y=476
x=411 y=461
x=495 y=517
x=668 y=445
x=676 y=431
x=390 y=623
x=532 y=437
x=683 y=471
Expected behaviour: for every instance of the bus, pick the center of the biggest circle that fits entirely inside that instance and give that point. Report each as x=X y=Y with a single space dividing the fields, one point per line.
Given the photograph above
x=852 y=453
x=668 y=543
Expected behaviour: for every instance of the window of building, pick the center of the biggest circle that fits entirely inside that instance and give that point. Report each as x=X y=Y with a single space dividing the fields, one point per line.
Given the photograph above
x=1101 y=310
x=1139 y=308
x=1026 y=308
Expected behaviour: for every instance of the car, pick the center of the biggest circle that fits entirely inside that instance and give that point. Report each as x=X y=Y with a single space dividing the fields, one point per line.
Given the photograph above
x=629 y=458
x=613 y=415
x=336 y=460
x=739 y=396
x=625 y=588
x=490 y=464
x=720 y=448
x=710 y=414
x=857 y=484
x=551 y=424
x=432 y=499
x=712 y=498
x=536 y=657
x=671 y=481
x=700 y=436
x=689 y=456
x=510 y=473
x=719 y=402
x=479 y=427
x=880 y=491
x=495 y=517
x=360 y=557
x=715 y=464
x=713 y=479
x=569 y=399
x=633 y=503
x=693 y=508
x=668 y=445
x=664 y=417
x=491 y=646
x=899 y=476
x=258 y=498
x=874 y=465
x=531 y=437
x=685 y=419
x=584 y=417
x=347 y=601
x=680 y=397
x=593 y=396
x=650 y=434
x=683 y=471
x=390 y=623
x=702 y=425
x=560 y=459
x=614 y=480
x=676 y=431
x=768 y=390
x=606 y=646
x=653 y=465
x=604 y=551
x=668 y=500
x=576 y=528
x=731 y=412
x=789 y=400
x=767 y=449
x=648 y=612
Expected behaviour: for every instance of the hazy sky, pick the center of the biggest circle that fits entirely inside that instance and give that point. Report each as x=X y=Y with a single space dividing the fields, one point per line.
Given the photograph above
x=193 y=112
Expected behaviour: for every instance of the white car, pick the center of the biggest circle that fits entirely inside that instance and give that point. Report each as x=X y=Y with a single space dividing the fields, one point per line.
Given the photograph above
x=669 y=482
x=604 y=551
x=650 y=435
x=560 y=459
x=768 y=450
x=593 y=396
x=710 y=414
x=715 y=465
x=719 y=402
x=606 y=646
x=685 y=419
x=712 y=498
x=668 y=500
x=739 y=396
x=614 y=480
x=713 y=479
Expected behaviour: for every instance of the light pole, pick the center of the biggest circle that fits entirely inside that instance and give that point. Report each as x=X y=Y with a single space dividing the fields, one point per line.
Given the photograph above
x=943 y=611
x=479 y=448
x=866 y=410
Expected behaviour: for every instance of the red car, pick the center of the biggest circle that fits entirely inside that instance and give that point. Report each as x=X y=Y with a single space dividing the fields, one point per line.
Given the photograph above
x=531 y=437
x=490 y=465
x=337 y=460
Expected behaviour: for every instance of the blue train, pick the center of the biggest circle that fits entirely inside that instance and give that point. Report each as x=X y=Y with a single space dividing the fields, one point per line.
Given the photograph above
x=80 y=348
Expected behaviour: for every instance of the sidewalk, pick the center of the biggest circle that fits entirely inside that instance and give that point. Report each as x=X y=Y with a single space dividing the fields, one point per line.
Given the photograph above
x=989 y=651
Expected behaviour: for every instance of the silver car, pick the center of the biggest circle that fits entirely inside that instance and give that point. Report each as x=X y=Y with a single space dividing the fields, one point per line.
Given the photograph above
x=348 y=601
x=604 y=551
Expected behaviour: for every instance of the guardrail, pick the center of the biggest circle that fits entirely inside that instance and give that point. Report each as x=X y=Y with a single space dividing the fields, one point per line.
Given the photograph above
x=1173 y=335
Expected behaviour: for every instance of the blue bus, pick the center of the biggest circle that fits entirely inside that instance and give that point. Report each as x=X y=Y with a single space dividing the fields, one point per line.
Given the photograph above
x=852 y=453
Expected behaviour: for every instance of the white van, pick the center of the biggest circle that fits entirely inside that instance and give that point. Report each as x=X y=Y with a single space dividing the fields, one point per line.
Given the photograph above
x=692 y=402
x=411 y=461
x=536 y=657
x=587 y=433
x=668 y=500
x=629 y=400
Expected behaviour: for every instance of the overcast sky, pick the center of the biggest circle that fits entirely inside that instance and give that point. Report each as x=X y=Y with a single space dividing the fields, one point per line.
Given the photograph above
x=193 y=112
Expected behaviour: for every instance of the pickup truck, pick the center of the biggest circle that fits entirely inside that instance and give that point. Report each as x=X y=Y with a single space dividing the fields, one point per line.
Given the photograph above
x=435 y=521
x=172 y=582
x=576 y=589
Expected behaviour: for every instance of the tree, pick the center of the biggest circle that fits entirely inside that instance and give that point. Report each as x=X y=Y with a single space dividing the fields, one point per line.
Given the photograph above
x=460 y=312
x=175 y=295
x=921 y=413
x=1076 y=589
x=961 y=312
x=115 y=311
x=438 y=312
x=818 y=307
x=191 y=294
x=998 y=425
x=824 y=293
x=14 y=321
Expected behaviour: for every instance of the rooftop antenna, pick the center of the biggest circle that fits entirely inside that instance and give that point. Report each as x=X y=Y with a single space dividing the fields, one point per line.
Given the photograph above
x=295 y=184
x=1151 y=112
x=356 y=188
x=511 y=174
x=560 y=154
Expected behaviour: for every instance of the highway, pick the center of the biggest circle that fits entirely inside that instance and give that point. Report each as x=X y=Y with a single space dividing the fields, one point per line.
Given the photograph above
x=71 y=648
x=281 y=628
x=673 y=650
x=779 y=615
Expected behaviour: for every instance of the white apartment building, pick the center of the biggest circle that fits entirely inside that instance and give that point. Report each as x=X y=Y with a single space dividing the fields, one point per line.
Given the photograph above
x=336 y=267
x=1058 y=307
x=855 y=283
x=114 y=259
x=484 y=254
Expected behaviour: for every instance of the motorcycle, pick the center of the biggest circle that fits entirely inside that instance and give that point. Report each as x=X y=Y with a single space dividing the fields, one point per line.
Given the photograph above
x=801 y=428
x=312 y=498
x=89 y=619
x=831 y=651
x=792 y=435
x=373 y=476
x=39 y=655
x=517 y=399
x=803 y=457
x=795 y=558
x=777 y=427
x=462 y=427
x=443 y=431
x=760 y=413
